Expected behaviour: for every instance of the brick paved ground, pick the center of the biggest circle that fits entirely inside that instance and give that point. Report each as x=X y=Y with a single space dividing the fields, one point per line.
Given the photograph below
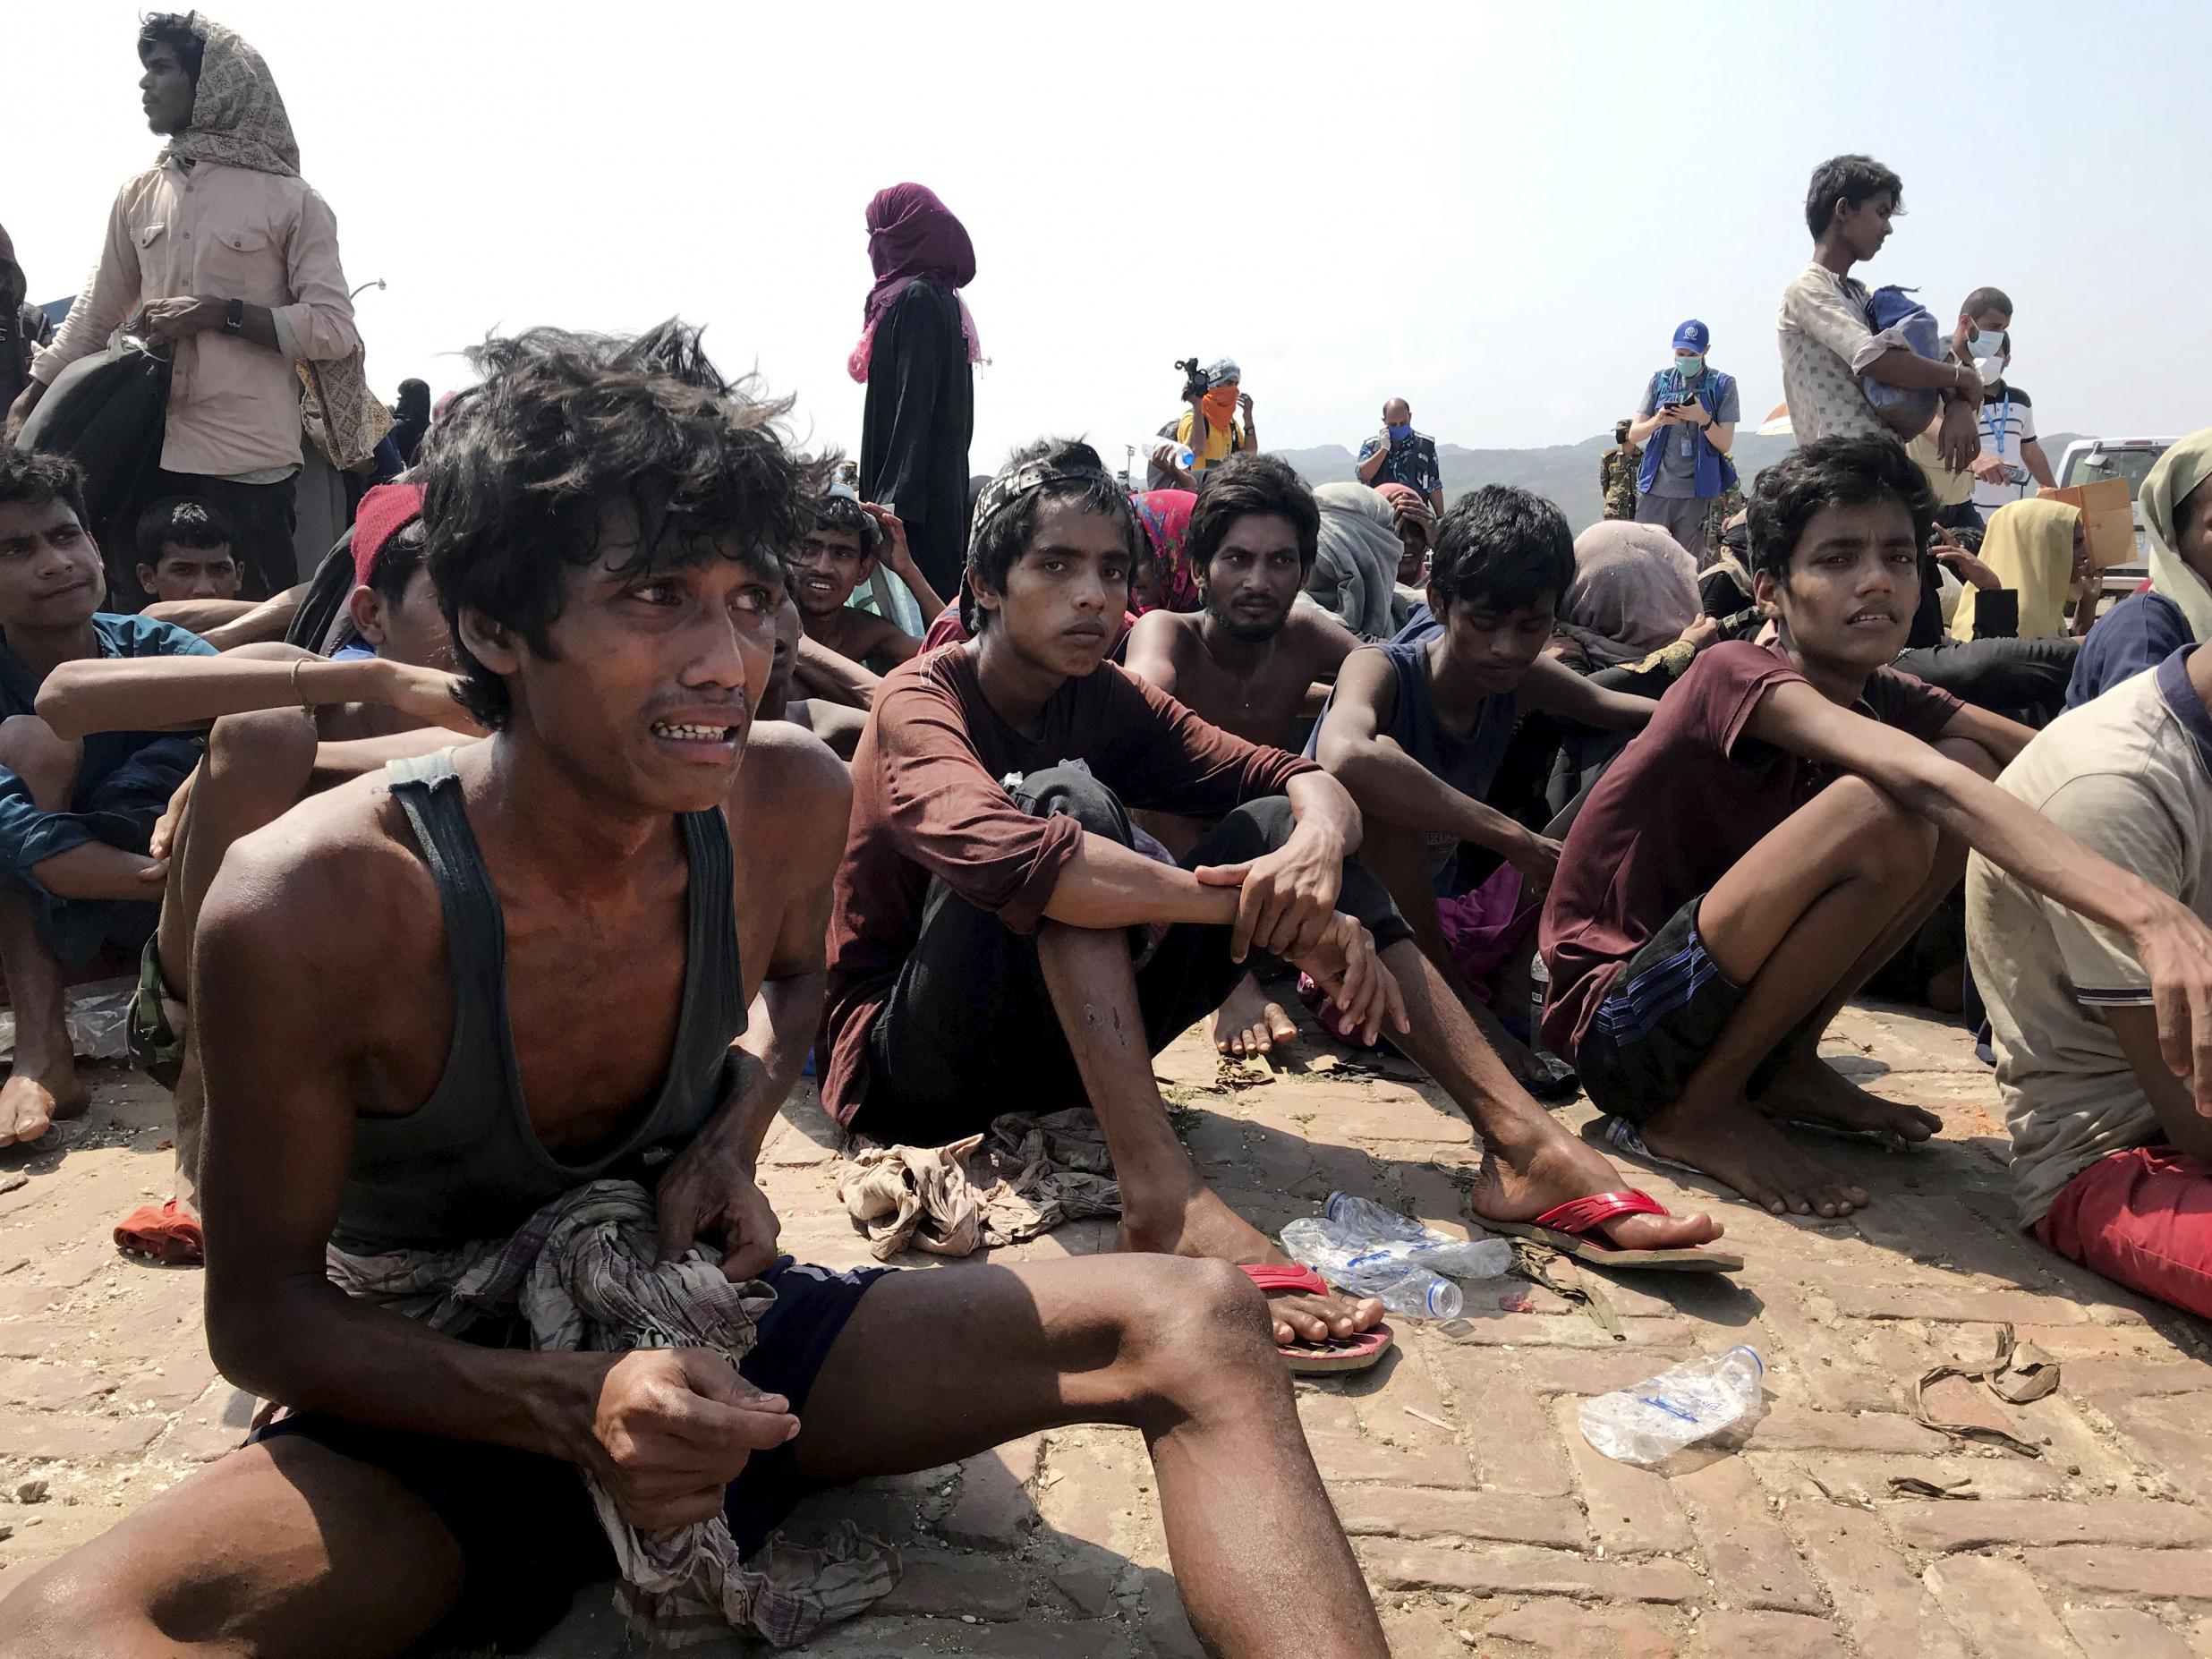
x=1500 y=1533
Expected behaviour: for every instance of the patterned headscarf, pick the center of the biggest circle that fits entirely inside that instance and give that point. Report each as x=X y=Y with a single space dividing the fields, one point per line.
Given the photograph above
x=1013 y=484
x=238 y=118
x=1165 y=515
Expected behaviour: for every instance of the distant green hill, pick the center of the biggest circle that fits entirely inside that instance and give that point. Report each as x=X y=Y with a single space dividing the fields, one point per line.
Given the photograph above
x=1566 y=473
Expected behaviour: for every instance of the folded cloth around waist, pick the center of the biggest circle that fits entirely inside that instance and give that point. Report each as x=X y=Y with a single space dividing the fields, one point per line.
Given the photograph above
x=582 y=1273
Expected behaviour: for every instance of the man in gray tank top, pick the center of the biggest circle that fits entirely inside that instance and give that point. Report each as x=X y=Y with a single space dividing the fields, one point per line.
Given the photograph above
x=431 y=1001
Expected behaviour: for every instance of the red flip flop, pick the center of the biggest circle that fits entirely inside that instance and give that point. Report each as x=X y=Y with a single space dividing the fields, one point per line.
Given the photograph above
x=162 y=1233
x=1351 y=1353
x=1571 y=1230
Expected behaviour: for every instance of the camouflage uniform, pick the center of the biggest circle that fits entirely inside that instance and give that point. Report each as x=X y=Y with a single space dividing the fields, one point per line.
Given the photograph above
x=1617 y=472
x=1725 y=506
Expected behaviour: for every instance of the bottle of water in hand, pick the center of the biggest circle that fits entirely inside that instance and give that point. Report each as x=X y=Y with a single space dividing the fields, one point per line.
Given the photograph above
x=1645 y=1424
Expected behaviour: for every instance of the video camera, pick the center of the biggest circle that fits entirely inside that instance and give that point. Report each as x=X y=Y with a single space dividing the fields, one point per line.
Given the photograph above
x=1194 y=378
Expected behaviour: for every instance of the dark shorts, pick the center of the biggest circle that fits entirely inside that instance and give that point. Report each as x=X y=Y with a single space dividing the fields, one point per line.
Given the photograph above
x=528 y=1534
x=970 y=1031
x=1667 y=1008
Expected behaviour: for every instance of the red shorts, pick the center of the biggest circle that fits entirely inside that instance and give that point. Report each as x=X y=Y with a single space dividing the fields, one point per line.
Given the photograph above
x=2142 y=1217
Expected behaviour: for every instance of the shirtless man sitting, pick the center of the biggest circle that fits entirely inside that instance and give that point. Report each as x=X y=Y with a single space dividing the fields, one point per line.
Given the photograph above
x=403 y=1058
x=838 y=553
x=837 y=723
x=1253 y=662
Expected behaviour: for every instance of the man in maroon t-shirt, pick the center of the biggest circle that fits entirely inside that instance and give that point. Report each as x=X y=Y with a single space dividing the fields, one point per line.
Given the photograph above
x=1000 y=937
x=1786 y=821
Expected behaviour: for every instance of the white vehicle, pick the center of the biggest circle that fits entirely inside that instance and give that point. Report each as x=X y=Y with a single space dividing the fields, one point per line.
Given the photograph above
x=2088 y=459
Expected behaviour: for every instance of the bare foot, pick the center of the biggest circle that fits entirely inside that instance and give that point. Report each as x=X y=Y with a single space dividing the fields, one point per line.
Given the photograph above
x=1520 y=1186
x=1811 y=1091
x=1247 y=1023
x=1738 y=1145
x=1204 y=1226
x=29 y=1104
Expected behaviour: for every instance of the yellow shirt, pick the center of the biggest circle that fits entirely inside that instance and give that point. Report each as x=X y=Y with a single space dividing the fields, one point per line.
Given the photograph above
x=1220 y=440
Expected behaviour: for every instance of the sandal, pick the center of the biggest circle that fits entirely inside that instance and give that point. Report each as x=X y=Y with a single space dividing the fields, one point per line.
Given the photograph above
x=1571 y=1230
x=1358 y=1352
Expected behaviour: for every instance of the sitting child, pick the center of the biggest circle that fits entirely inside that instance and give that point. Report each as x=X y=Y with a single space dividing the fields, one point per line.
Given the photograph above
x=1788 y=820
x=2112 y=1157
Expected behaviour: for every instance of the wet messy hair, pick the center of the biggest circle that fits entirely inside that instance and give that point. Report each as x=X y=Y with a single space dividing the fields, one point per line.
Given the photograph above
x=1852 y=179
x=1246 y=483
x=180 y=521
x=174 y=30
x=842 y=514
x=1832 y=472
x=565 y=426
x=998 y=540
x=1501 y=548
x=32 y=479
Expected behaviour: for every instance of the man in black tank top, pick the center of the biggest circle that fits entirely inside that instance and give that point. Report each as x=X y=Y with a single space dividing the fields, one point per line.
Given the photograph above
x=424 y=1001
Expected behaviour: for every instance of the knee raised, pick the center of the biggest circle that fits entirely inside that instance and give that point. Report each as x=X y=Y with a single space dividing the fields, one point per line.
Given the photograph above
x=268 y=742
x=1072 y=790
x=1208 y=1329
x=1969 y=754
x=48 y=1617
x=29 y=749
x=1884 y=838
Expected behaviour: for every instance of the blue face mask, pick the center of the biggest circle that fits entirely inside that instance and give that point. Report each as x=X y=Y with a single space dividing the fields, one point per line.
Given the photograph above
x=1982 y=344
x=1690 y=368
x=1399 y=434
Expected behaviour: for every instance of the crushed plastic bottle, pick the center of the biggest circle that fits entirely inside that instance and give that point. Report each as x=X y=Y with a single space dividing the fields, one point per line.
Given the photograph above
x=1647 y=1423
x=1362 y=1247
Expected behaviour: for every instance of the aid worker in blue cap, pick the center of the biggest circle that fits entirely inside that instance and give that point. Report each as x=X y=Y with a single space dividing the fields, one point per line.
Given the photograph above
x=1687 y=424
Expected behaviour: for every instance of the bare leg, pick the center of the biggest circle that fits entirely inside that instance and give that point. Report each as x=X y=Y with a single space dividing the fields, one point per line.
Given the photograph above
x=1165 y=1207
x=1178 y=1350
x=258 y=767
x=1807 y=1088
x=1832 y=884
x=276 y=1550
x=43 y=1082
x=1530 y=1164
x=1399 y=860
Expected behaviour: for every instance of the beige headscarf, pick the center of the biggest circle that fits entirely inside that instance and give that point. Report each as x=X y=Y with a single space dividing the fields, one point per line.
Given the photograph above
x=238 y=117
x=2179 y=470
x=2031 y=546
x=238 y=120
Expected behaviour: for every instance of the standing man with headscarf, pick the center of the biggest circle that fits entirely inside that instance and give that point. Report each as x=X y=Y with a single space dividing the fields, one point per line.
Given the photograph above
x=915 y=356
x=222 y=252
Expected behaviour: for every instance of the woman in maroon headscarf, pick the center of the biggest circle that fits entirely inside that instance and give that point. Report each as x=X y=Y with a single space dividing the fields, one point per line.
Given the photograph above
x=913 y=355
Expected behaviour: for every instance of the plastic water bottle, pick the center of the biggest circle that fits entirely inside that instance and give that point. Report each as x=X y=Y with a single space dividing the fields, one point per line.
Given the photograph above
x=1362 y=1247
x=1179 y=454
x=1645 y=1424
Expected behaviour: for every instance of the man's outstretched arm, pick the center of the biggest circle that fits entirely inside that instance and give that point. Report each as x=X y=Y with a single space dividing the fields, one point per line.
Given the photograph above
x=663 y=1429
x=172 y=693
x=1392 y=787
x=2172 y=944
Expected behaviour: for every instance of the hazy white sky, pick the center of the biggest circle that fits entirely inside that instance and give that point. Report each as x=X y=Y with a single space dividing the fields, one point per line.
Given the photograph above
x=1498 y=212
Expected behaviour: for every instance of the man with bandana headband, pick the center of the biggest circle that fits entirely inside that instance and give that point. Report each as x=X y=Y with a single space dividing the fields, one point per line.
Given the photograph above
x=221 y=252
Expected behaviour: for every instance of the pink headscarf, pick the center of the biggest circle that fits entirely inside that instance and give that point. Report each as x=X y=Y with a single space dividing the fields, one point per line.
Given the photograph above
x=911 y=233
x=1398 y=494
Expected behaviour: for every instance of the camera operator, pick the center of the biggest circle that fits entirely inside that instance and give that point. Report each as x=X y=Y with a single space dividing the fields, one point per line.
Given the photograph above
x=1210 y=429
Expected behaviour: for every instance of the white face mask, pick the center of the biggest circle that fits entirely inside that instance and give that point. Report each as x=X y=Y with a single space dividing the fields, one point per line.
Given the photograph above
x=1984 y=344
x=1990 y=369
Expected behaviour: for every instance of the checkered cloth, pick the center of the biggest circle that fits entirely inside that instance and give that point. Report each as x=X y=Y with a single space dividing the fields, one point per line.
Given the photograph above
x=581 y=1271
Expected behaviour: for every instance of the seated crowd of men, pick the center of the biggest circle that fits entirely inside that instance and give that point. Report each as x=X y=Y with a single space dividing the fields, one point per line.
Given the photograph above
x=598 y=698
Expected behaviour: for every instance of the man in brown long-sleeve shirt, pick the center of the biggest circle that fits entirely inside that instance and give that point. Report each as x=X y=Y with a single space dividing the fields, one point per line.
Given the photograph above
x=998 y=926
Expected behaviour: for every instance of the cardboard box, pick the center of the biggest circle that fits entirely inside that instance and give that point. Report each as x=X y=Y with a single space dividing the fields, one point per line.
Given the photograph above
x=2108 y=519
